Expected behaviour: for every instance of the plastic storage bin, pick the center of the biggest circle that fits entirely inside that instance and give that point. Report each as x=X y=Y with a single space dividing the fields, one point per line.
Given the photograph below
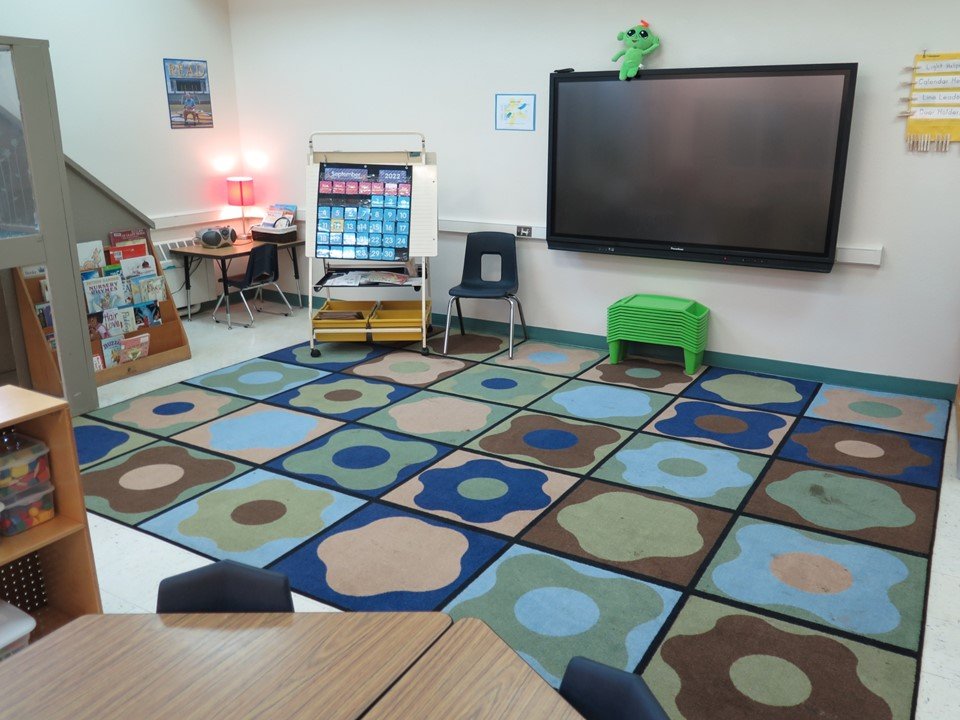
x=398 y=314
x=27 y=508
x=15 y=629
x=340 y=315
x=23 y=463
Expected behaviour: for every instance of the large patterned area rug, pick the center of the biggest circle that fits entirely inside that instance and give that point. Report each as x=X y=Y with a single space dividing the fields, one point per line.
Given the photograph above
x=754 y=546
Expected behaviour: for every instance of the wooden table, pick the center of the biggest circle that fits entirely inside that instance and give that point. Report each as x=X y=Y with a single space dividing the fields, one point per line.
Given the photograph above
x=223 y=255
x=337 y=666
x=471 y=673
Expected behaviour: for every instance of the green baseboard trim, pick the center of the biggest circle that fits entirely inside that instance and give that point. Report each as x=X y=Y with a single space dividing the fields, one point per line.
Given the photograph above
x=816 y=373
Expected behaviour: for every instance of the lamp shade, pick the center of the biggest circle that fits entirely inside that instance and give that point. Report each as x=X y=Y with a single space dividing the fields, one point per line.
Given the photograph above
x=240 y=191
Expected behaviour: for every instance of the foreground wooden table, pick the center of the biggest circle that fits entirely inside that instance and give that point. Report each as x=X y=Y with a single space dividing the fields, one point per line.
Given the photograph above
x=336 y=666
x=471 y=673
x=304 y=665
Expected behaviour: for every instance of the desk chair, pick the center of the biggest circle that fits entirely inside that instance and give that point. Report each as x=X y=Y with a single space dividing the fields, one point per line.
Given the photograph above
x=225 y=586
x=263 y=268
x=600 y=692
x=472 y=285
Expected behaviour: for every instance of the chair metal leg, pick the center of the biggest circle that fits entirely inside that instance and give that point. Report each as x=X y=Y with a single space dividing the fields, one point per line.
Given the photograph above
x=282 y=297
x=460 y=316
x=217 y=307
x=446 y=332
x=510 y=345
x=242 y=297
x=523 y=322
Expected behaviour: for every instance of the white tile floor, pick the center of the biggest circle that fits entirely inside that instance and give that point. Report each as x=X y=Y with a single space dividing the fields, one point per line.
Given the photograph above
x=129 y=584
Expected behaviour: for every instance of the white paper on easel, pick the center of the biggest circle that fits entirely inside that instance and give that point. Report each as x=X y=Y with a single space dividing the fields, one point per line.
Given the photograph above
x=423 y=212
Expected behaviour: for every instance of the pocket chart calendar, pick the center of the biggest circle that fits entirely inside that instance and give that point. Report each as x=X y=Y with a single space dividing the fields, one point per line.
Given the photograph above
x=364 y=212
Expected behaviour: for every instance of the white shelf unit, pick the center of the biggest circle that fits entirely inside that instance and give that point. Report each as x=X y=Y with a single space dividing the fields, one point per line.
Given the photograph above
x=423 y=238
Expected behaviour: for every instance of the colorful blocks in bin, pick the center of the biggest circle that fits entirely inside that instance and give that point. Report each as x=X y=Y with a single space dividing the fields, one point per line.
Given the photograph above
x=27 y=508
x=659 y=320
x=23 y=462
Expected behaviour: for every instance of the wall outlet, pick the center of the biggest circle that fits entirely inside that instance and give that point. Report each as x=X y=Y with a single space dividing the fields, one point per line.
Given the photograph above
x=524 y=231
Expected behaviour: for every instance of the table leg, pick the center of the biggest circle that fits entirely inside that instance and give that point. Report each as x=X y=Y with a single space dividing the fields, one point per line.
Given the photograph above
x=296 y=272
x=186 y=280
x=226 y=295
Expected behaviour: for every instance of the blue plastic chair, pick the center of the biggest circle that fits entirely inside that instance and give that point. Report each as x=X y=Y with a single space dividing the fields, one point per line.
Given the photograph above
x=225 y=586
x=472 y=284
x=600 y=692
x=263 y=268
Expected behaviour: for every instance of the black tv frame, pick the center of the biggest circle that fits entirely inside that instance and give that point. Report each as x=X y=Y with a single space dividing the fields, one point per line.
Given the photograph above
x=819 y=262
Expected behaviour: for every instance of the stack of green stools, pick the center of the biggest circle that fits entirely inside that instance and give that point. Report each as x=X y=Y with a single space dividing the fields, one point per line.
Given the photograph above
x=660 y=320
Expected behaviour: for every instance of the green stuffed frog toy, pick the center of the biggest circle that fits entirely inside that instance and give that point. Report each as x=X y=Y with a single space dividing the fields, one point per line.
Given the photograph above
x=639 y=41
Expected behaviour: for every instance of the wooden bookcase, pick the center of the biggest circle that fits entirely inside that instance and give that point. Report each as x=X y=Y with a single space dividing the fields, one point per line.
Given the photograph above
x=57 y=553
x=168 y=341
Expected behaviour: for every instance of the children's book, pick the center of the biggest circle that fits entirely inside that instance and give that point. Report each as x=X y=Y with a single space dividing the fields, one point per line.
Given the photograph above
x=118 y=321
x=147 y=314
x=50 y=338
x=134 y=348
x=137 y=266
x=32 y=271
x=45 y=289
x=137 y=236
x=148 y=289
x=112 y=270
x=44 y=314
x=104 y=292
x=97 y=362
x=90 y=255
x=95 y=326
x=279 y=217
x=89 y=274
x=121 y=252
x=111 y=351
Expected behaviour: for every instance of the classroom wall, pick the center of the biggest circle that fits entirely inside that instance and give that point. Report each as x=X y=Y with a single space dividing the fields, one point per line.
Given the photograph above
x=107 y=58
x=435 y=66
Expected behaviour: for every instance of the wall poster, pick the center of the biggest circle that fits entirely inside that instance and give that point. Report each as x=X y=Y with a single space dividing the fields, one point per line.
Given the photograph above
x=188 y=93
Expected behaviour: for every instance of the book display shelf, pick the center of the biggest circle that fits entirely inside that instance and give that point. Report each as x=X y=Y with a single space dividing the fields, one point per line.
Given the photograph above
x=168 y=340
x=48 y=570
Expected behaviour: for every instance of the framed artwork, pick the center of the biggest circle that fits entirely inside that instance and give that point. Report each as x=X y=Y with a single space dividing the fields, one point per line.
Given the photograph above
x=516 y=111
x=188 y=93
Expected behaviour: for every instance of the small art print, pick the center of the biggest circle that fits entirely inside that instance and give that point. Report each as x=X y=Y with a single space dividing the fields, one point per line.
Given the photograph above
x=188 y=93
x=516 y=111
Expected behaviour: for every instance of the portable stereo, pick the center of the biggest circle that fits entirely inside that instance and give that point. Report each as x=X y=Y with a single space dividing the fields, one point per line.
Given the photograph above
x=215 y=237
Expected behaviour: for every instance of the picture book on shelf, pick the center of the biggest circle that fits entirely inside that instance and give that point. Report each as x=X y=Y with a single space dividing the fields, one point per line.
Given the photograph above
x=50 y=338
x=111 y=351
x=147 y=314
x=97 y=362
x=95 y=326
x=45 y=289
x=32 y=271
x=90 y=255
x=122 y=252
x=104 y=292
x=137 y=236
x=148 y=289
x=88 y=274
x=134 y=348
x=136 y=266
x=111 y=270
x=118 y=321
x=44 y=314
x=279 y=216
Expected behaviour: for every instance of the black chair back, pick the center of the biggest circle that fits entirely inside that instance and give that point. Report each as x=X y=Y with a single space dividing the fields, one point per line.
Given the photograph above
x=263 y=266
x=600 y=692
x=225 y=586
x=491 y=243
